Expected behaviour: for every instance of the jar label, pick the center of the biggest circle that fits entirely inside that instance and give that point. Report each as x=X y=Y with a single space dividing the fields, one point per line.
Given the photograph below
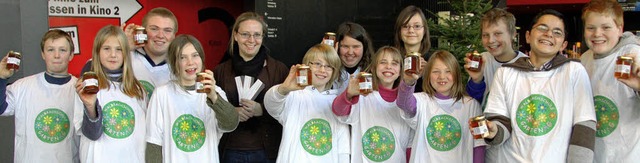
x=625 y=69
x=13 y=60
x=479 y=130
x=366 y=85
x=474 y=64
x=140 y=38
x=407 y=63
x=199 y=85
x=89 y=82
x=328 y=42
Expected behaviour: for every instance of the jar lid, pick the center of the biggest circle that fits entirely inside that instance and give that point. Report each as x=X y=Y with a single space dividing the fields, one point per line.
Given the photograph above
x=330 y=33
x=365 y=74
x=413 y=54
x=89 y=73
x=201 y=73
x=303 y=66
x=625 y=58
x=478 y=118
x=140 y=28
x=15 y=53
x=476 y=53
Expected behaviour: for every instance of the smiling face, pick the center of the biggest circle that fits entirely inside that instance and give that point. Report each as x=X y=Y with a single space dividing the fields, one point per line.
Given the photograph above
x=496 y=38
x=160 y=32
x=249 y=38
x=601 y=32
x=57 y=54
x=350 y=51
x=413 y=32
x=111 y=54
x=190 y=63
x=546 y=37
x=387 y=69
x=441 y=78
x=321 y=73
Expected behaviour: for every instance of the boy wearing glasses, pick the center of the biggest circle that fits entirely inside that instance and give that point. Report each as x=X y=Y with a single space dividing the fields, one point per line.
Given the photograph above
x=540 y=108
x=498 y=29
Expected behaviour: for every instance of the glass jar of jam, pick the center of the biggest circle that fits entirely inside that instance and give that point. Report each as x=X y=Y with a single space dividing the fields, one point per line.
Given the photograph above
x=199 y=85
x=478 y=126
x=329 y=39
x=412 y=63
x=303 y=76
x=90 y=82
x=366 y=83
x=140 y=36
x=13 y=60
x=476 y=61
x=623 y=67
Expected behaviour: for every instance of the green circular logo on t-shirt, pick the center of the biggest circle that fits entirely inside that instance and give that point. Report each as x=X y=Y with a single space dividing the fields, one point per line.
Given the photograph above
x=444 y=132
x=119 y=119
x=148 y=87
x=607 y=116
x=536 y=115
x=188 y=133
x=378 y=144
x=316 y=137
x=52 y=125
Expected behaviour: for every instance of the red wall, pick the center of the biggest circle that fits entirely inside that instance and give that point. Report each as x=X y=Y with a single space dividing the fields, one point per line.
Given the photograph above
x=213 y=34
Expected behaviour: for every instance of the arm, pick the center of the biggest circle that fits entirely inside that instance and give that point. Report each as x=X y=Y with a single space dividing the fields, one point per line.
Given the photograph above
x=225 y=114
x=582 y=142
x=92 y=127
x=476 y=90
x=153 y=153
x=406 y=101
x=478 y=154
x=4 y=76
x=342 y=104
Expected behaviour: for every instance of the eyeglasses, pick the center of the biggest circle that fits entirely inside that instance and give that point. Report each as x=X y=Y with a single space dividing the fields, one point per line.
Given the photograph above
x=316 y=65
x=249 y=35
x=415 y=27
x=555 y=32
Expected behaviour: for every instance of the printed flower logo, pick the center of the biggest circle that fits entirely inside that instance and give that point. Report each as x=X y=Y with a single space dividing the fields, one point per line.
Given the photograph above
x=119 y=120
x=47 y=120
x=184 y=126
x=378 y=144
x=536 y=115
x=607 y=116
x=314 y=130
x=439 y=126
x=443 y=139
x=316 y=137
x=189 y=133
x=51 y=125
x=375 y=137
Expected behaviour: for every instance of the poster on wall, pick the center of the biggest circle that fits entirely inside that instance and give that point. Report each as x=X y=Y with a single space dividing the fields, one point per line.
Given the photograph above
x=208 y=21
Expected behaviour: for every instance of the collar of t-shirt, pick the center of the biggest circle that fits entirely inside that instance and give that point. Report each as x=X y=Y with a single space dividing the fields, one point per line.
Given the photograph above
x=57 y=79
x=144 y=53
x=388 y=95
x=524 y=63
x=114 y=75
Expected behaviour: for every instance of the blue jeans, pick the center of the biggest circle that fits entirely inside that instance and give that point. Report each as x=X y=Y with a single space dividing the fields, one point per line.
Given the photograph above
x=245 y=156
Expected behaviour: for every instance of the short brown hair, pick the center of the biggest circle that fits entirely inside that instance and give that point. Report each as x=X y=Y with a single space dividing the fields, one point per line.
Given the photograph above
x=494 y=15
x=162 y=12
x=55 y=34
x=175 y=50
x=606 y=7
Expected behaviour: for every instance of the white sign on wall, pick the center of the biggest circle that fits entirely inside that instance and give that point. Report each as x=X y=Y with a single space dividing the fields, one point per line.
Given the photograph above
x=122 y=9
x=73 y=32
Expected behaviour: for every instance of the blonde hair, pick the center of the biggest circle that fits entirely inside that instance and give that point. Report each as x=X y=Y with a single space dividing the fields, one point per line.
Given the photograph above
x=161 y=12
x=131 y=86
x=327 y=53
x=396 y=55
x=457 y=90
x=242 y=18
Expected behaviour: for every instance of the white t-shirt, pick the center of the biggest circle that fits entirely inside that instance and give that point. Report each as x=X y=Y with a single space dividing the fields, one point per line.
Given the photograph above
x=617 y=109
x=543 y=106
x=311 y=132
x=183 y=124
x=43 y=116
x=150 y=77
x=377 y=124
x=492 y=65
x=123 y=120
x=441 y=129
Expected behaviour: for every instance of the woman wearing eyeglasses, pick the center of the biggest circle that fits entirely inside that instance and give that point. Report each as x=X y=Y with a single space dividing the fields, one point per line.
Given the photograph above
x=311 y=132
x=258 y=135
x=412 y=34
